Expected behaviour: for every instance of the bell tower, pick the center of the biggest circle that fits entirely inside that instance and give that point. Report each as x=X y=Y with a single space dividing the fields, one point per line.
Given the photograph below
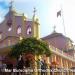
x=32 y=27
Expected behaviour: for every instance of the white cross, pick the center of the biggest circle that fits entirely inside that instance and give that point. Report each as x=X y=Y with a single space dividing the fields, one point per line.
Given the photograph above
x=34 y=10
x=54 y=28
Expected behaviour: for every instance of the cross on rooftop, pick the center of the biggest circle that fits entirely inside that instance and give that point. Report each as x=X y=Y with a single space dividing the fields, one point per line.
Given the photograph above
x=34 y=10
x=54 y=28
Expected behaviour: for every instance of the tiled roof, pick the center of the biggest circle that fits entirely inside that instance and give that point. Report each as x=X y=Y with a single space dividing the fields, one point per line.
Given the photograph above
x=54 y=34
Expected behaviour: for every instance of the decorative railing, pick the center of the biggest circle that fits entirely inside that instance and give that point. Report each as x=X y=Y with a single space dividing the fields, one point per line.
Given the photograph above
x=61 y=53
x=53 y=49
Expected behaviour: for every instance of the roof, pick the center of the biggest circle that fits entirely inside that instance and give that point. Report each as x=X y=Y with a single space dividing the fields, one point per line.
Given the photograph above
x=53 y=35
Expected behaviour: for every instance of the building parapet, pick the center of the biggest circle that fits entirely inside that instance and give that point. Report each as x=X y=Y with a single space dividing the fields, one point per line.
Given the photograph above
x=55 y=51
x=61 y=53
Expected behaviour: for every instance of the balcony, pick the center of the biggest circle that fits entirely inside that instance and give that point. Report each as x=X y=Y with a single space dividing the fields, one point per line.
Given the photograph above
x=61 y=53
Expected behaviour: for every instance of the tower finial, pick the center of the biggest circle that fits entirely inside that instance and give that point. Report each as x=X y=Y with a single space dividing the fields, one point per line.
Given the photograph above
x=11 y=5
x=34 y=13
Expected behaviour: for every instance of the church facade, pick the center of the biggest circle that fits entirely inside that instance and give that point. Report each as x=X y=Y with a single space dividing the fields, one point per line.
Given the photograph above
x=17 y=26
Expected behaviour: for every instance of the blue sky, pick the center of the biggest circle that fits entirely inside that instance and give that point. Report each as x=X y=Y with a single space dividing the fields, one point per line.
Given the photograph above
x=47 y=13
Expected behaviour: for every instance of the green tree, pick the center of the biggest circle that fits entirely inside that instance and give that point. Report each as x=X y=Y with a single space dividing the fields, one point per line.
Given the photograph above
x=30 y=45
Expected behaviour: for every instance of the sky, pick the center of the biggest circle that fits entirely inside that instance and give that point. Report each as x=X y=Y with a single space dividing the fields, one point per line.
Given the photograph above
x=47 y=14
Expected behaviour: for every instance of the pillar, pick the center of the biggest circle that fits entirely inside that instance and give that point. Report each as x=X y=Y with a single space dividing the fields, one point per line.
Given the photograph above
x=48 y=66
x=35 y=67
x=61 y=66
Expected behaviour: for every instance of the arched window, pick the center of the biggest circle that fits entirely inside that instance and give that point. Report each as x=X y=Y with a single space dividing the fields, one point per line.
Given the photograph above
x=9 y=24
x=29 y=30
x=19 y=30
x=9 y=29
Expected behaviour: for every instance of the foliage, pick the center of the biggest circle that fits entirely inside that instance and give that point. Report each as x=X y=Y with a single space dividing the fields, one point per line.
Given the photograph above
x=30 y=45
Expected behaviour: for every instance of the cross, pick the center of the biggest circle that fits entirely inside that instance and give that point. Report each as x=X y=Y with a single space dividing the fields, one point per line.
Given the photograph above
x=54 y=28
x=34 y=11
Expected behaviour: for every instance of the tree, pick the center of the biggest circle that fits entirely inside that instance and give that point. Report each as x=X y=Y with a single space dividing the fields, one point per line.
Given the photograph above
x=30 y=45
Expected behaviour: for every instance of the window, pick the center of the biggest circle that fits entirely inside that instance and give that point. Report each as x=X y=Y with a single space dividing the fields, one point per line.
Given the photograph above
x=9 y=29
x=29 y=30
x=9 y=22
x=19 y=30
x=9 y=25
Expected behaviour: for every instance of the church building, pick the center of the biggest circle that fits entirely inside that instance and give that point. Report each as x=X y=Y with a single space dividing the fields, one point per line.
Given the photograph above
x=17 y=26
